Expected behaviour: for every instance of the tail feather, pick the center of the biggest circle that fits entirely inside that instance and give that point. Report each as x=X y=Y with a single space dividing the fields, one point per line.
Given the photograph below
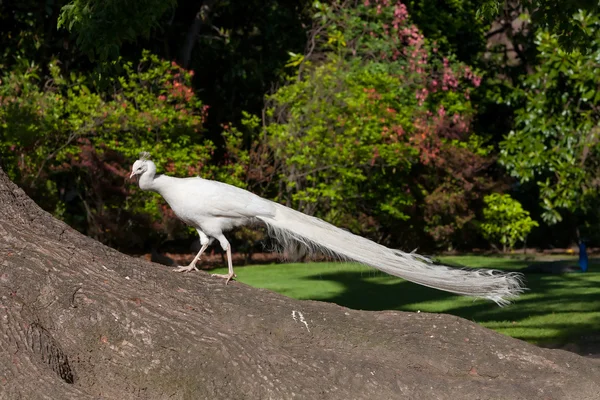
x=293 y=230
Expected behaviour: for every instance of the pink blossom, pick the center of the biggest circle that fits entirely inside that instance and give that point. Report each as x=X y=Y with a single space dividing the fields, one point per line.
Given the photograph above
x=449 y=80
x=441 y=111
x=400 y=13
x=421 y=95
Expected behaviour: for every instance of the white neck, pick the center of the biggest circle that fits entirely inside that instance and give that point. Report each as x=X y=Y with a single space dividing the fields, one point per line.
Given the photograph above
x=147 y=181
x=156 y=183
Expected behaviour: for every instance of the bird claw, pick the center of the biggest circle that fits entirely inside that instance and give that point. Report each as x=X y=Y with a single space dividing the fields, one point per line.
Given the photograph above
x=188 y=268
x=225 y=276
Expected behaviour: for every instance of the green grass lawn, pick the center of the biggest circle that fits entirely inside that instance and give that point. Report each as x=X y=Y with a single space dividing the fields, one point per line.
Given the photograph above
x=556 y=308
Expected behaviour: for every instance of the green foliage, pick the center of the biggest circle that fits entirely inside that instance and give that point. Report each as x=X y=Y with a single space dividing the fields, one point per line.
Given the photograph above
x=335 y=136
x=505 y=220
x=71 y=146
x=556 y=138
x=103 y=26
x=364 y=134
x=375 y=120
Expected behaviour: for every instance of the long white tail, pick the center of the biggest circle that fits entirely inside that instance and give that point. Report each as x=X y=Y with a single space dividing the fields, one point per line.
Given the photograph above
x=292 y=229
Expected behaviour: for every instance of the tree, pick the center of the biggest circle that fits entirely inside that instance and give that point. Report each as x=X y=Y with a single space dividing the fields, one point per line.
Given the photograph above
x=69 y=143
x=237 y=49
x=82 y=321
x=505 y=220
x=555 y=141
x=554 y=17
x=103 y=27
x=375 y=125
x=49 y=88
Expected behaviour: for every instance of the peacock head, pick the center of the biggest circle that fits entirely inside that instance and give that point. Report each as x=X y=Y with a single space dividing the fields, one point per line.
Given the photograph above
x=142 y=165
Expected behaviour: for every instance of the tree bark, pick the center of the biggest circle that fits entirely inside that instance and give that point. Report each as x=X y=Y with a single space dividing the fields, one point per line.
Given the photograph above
x=79 y=320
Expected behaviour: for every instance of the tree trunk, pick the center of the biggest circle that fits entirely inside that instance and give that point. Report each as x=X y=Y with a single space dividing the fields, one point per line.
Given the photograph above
x=79 y=320
x=194 y=30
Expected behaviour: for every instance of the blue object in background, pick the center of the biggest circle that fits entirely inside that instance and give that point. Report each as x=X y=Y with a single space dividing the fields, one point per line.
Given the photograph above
x=583 y=258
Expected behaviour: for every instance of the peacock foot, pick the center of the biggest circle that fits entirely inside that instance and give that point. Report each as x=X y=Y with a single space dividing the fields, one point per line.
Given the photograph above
x=191 y=267
x=228 y=277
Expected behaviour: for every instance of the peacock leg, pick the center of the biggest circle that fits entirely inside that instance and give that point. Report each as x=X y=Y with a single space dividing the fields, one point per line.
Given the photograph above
x=227 y=247
x=192 y=267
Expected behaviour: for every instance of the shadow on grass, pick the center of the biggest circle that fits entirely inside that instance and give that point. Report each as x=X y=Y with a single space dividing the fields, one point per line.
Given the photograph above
x=555 y=309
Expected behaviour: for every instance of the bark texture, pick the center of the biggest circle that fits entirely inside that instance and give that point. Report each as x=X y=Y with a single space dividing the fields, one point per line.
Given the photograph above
x=79 y=320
